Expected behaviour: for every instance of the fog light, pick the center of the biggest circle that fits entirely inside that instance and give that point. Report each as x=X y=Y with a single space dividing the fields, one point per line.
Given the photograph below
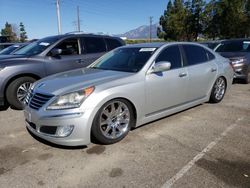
x=63 y=131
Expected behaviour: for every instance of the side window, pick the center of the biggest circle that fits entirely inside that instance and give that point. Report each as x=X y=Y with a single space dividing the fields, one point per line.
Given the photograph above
x=195 y=54
x=210 y=56
x=94 y=45
x=69 y=47
x=172 y=55
x=112 y=43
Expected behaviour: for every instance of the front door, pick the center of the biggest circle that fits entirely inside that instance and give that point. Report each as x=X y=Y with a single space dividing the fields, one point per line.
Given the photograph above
x=70 y=57
x=166 y=90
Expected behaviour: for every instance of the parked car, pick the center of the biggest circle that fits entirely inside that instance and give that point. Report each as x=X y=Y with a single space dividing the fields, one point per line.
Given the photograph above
x=48 y=56
x=12 y=48
x=4 y=39
x=211 y=44
x=127 y=87
x=238 y=51
x=5 y=45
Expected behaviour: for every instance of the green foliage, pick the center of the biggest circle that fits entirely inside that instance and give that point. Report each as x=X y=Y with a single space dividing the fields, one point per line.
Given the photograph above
x=11 y=30
x=23 y=34
x=187 y=20
x=8 y=31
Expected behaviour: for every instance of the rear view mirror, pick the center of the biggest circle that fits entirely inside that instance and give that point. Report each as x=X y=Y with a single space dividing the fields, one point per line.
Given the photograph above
x=55 y=52
x=161 y=67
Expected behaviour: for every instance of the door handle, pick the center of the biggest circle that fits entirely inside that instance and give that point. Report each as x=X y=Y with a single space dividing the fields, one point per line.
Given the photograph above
x=183 y=74
x=213 y=70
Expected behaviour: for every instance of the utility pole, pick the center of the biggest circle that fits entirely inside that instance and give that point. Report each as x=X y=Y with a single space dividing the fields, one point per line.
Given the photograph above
x=58 y=17
x=150 y=28
x=78 y=19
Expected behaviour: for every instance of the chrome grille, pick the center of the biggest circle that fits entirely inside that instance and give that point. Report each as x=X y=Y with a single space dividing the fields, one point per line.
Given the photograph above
x=37 y=100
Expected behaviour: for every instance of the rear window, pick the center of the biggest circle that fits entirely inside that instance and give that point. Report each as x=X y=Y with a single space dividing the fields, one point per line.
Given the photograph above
x=94 y=45
x=195 y=54
x=112 y=43
x=234 y=46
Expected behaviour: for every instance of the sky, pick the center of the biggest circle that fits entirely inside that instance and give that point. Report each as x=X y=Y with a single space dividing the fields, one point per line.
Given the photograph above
x=107 y=16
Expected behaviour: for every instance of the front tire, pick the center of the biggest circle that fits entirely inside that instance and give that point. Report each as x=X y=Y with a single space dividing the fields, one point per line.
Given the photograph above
x=113 y=121
x=218 y=91
x=17 y=91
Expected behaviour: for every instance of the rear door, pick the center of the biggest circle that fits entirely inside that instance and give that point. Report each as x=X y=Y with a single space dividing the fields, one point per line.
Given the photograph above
x=167 y=89
x=202 y=71
x=112 y=43
x=69 y=59
x=93 y=48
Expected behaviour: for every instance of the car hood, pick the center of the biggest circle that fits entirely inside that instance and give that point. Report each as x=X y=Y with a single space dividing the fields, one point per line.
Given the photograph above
x=77 y=79
x=3 y=57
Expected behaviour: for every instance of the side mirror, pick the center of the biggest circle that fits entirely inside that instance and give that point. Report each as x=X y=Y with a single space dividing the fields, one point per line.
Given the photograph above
x=160 y=67
x=55 y=52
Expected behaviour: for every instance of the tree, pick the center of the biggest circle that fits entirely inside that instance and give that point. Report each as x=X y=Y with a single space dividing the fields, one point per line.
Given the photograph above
x=188 y=20
x=165 y=30
x=196 y=23
x=173 y=21
x=247 y=12
x=217 y=19
x=211 y=17
x=8 y=31
x=23 y=34
x=232 y=18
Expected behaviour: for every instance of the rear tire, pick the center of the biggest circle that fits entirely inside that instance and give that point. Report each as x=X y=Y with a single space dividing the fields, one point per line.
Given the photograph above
x=17 y=91
x=113 y=122
x=218 y=91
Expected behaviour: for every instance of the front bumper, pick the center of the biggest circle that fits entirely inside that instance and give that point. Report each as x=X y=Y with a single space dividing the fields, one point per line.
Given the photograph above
x=80 y=135
x=241 y=72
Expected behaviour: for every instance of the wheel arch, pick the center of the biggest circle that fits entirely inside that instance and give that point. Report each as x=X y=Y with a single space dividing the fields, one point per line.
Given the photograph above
x=19 y=76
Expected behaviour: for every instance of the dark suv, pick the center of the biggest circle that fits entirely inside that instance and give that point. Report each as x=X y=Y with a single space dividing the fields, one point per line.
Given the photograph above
x=48 y=56
x=238 y=51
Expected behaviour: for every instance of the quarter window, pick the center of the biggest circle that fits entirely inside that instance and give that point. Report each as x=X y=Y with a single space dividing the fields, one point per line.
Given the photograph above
x=210 y=56
x=94 y=45
x=69 y=47
x=172 y=55
x=195 y=54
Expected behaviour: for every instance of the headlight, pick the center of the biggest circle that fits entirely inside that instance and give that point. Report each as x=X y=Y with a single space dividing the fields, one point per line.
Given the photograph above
x=238 y=62
x=70 y=100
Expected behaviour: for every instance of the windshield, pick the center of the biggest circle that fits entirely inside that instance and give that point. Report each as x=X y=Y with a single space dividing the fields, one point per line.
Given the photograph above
x=37 y=47
x=237 y=46
x=124 y=59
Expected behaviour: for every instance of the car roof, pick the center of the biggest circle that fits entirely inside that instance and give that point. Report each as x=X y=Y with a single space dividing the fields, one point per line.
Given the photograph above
x=235 y=40
x=80 y=34
x=147 y=45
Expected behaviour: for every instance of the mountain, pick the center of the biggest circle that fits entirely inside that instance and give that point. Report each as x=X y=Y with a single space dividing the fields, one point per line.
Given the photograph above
x=141 y=32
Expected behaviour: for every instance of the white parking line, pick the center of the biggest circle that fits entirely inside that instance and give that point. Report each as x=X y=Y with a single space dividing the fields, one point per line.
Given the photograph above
x=191 y=163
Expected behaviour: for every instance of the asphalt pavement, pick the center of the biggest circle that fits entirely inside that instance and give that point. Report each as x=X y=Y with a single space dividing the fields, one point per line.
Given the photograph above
x=205 y=146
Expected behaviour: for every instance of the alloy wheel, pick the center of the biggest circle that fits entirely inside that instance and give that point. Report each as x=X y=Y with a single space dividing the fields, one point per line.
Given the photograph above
x=114 y=120
x=220 y=87
x=23 y=90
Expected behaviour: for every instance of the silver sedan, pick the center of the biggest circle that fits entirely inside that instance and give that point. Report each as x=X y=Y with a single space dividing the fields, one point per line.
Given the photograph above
x=126 y=88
